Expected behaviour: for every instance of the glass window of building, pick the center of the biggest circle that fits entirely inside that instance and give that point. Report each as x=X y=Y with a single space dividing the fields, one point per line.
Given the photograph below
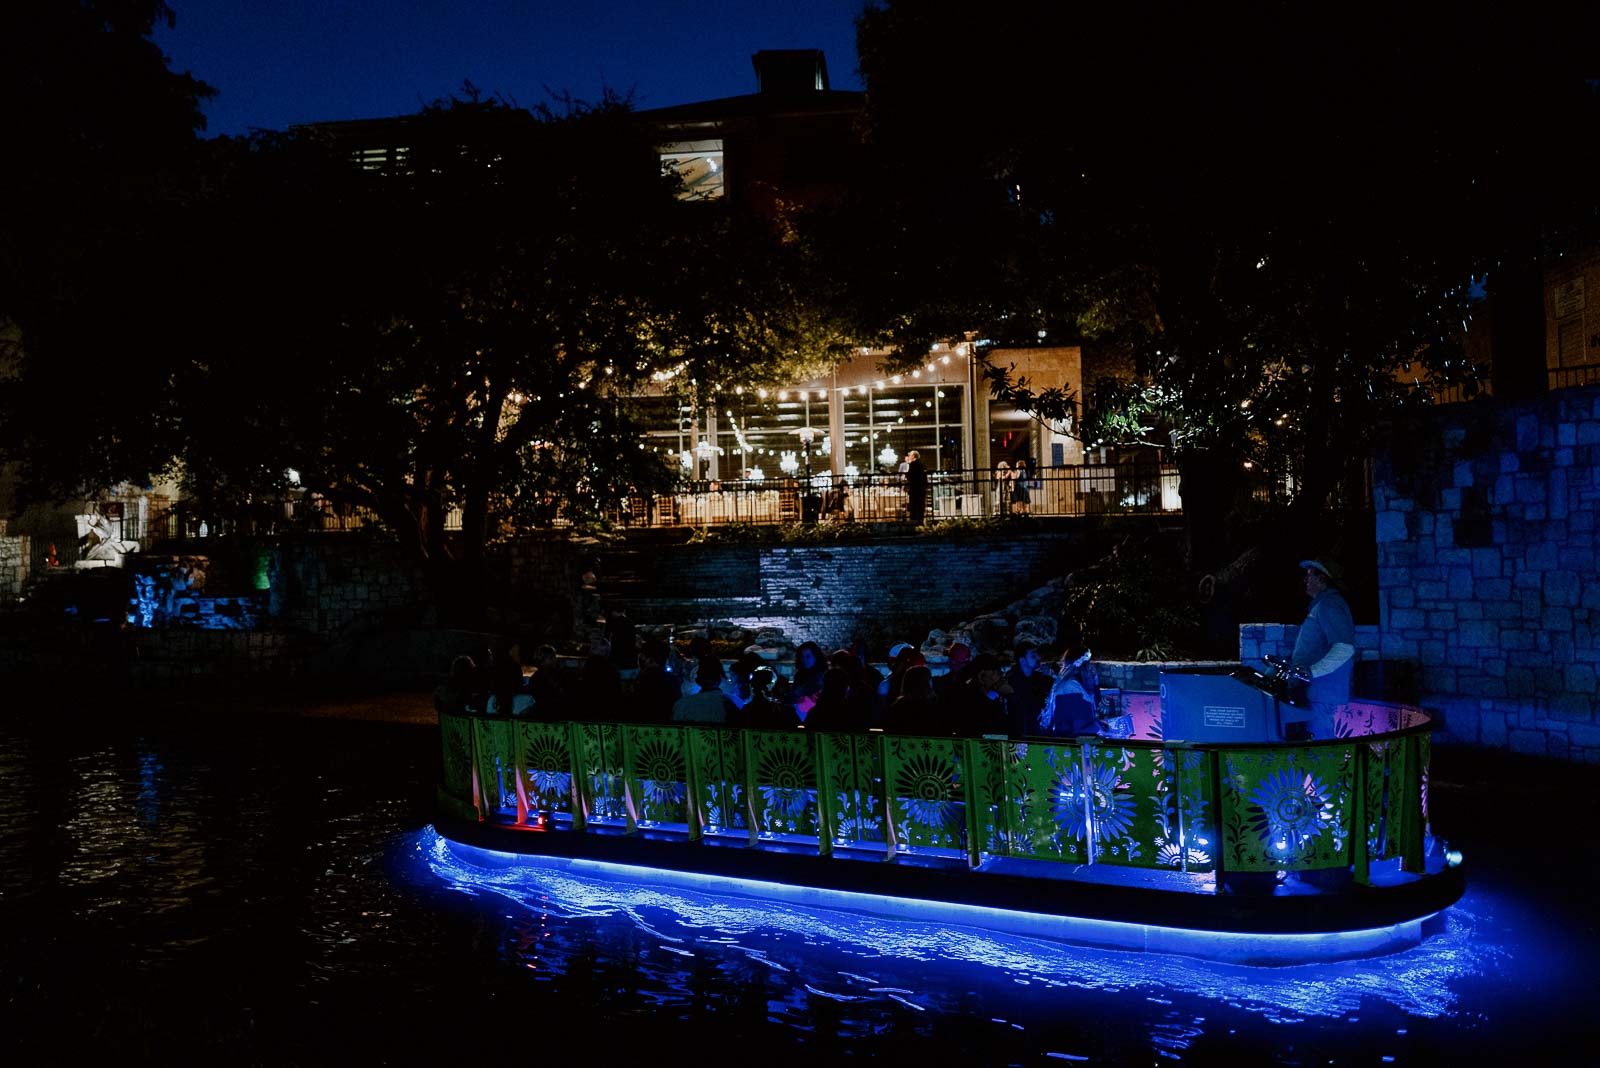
x=759 y=431
x=698 y=164
x=754 y=432
x=883 y=423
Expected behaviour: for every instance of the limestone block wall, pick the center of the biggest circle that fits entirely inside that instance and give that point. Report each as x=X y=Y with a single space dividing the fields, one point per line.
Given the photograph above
x=335 y=590
x=1257 y=641
x=532 y=566
x=13 y=565
x=163 y=657
x=1486 y=526
x=535 y=582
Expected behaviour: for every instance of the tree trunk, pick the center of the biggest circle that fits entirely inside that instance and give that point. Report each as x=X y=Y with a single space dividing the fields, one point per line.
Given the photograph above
x=1210 y=484
x=471 y=595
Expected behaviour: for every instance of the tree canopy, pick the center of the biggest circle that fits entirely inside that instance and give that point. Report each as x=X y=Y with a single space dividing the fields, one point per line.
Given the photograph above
x=462 y=328
x=1253 y=217
x=466 y=330
x=101 y=163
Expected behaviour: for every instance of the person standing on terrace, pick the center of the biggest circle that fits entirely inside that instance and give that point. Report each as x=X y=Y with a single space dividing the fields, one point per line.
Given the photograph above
x=916 y=488
x=1002 y=487
x=1324 y=651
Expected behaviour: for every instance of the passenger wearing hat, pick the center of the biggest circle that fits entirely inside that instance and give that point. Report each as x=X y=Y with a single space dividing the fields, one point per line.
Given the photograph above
x=980 y=703
x=1325 y=650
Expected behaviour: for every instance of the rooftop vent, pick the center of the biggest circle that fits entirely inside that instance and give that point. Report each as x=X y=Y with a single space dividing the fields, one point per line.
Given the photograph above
x=790 y=70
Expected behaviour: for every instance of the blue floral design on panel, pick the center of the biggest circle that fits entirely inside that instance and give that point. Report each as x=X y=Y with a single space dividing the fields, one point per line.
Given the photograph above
x=925 y=785
x=788 y=803
x=717 y=819
x=1078 y=798
x=661 y=774
x=1170 y=855
x=1185 y=809
x=1292 y=808
x=857 y=820
x=784 y=774
x=547 y=767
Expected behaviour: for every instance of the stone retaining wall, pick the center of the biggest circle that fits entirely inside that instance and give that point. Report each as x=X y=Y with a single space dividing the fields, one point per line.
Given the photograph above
x=333 y=590
x=164 y=657
x=882 y=592
x=1486 y=529
x=13 y=565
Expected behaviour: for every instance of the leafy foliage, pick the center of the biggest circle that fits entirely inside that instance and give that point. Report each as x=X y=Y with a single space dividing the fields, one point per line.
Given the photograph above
x=1264 y=227
x=1264 y=220
x=1124 y=606
x=102 y=162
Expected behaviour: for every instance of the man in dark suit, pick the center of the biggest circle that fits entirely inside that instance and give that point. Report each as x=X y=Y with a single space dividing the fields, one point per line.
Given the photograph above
x=916 y=487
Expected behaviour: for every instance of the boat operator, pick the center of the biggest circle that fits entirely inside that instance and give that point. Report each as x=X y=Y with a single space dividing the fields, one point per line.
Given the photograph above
x=1325 y=650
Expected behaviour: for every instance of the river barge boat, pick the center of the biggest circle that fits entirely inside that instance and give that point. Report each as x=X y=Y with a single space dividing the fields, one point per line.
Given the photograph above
x=1263 y=852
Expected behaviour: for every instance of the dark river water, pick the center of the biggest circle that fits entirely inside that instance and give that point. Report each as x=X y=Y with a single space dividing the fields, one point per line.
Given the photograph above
x=273 y=893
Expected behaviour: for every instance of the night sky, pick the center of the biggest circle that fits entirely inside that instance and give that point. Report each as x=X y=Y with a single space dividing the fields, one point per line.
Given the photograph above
x=278 y=62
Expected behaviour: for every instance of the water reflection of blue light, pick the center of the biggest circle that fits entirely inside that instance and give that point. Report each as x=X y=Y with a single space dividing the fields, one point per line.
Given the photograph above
x=1418 y=982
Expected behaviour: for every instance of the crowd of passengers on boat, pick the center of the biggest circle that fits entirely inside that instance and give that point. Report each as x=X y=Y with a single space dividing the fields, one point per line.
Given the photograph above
x=1022 y=695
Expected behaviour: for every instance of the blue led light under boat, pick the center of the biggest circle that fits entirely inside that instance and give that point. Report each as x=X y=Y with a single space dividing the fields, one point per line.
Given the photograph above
x=491 y=868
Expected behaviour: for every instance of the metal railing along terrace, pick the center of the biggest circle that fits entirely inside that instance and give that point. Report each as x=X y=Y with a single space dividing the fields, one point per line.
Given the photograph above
x=880 y=498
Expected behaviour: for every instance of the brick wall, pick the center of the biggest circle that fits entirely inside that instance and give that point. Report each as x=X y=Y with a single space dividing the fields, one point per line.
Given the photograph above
x=884 y=592
x=1486 y=525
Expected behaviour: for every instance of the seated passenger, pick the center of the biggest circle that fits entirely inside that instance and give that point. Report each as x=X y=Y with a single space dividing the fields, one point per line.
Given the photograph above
x=656 y=688
x=958 y=657
x=509 y=695
x=834 y=710
x=902 y=656
x=916 y=710
x=599 y=694
x=763 y=711
x=809 y=664
x=454 y=695
x=1070 y=709
x=736 y=686
x=1030 y=691
x=979 y=706
x=861 y=692
x=700 y=650
x=547 y=686
x=709 y=705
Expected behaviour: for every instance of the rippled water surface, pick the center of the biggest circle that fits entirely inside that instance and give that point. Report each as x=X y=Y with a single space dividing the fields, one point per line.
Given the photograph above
x=273 y=893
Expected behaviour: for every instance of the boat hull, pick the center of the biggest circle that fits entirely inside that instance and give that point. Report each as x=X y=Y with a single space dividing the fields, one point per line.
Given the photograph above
x=1278 y=926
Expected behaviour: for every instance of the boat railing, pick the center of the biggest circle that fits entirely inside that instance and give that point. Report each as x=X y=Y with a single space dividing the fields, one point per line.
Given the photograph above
x=1142 y=802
